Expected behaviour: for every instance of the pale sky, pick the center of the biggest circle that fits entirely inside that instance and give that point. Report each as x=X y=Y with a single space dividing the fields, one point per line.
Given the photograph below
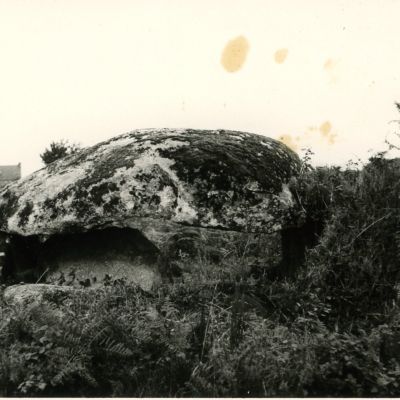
x=318 y=73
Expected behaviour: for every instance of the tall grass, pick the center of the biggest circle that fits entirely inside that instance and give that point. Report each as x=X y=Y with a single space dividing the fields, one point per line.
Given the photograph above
x=230 y=328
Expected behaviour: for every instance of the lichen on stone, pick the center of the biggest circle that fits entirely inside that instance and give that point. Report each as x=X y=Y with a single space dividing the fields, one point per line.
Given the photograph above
x=213 y=179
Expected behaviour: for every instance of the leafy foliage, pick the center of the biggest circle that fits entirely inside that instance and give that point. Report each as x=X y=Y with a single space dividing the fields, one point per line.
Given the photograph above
x=356 y=263
x=229 y=326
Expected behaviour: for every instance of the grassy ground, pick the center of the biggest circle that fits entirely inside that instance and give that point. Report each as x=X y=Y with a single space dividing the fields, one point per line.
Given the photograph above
x=234 y=328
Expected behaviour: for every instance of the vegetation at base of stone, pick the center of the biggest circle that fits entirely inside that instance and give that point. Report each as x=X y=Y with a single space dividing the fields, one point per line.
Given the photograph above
x=58 y=150
x=235 y=327
x=356 y=263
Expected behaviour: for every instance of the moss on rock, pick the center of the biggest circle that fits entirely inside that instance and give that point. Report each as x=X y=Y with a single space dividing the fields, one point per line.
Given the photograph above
x=212 y=179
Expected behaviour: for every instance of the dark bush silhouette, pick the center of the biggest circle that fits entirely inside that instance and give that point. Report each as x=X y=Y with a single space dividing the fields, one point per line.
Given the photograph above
x=58 y=150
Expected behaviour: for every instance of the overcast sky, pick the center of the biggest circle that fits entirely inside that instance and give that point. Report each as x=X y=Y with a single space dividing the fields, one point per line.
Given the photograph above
x=318 y=73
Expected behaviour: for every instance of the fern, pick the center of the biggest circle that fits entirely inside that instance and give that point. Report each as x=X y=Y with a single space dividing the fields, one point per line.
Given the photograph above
x=76 y=365
x=113 y=347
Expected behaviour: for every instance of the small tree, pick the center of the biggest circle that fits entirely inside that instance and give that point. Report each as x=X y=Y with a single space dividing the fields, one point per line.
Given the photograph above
x=58 y=150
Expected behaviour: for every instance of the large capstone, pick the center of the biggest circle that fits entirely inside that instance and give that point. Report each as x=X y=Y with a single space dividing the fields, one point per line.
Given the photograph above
x=156 y=182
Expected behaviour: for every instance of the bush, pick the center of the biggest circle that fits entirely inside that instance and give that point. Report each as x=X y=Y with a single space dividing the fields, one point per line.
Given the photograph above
x=275 y=360
x=233 y=328
x=58 y=150
x=109 y=342
x=355 y=266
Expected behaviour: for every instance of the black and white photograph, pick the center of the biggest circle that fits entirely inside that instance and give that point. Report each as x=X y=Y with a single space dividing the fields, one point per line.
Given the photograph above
x=199 y=199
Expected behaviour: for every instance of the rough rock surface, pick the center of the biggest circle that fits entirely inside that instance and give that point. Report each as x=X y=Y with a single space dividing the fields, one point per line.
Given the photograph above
x=156 y=181
x=108 y=210
x=23 y=294
x=101 y=257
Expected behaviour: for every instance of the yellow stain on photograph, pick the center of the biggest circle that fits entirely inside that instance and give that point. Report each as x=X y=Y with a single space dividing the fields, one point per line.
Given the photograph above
x=280 y=56
x=235 y=53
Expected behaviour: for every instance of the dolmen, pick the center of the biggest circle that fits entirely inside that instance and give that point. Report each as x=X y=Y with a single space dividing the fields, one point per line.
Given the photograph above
x=109 y=211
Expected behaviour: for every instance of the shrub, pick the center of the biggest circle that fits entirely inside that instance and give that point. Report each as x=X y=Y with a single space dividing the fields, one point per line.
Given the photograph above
x=355 y=266
x=232 y=327
x=109 y=342
x=58 y=150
